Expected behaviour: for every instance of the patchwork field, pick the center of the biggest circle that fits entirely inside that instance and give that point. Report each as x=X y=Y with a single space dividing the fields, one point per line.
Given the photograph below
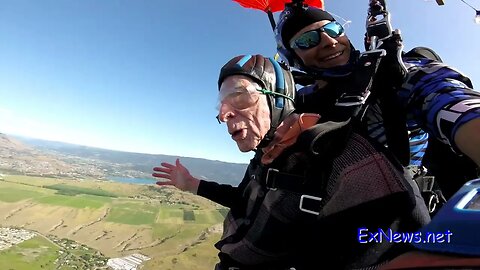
x=36 y=253
x=176 y=229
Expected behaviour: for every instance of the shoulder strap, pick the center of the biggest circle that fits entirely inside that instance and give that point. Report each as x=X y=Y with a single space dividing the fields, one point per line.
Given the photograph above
x=322 y=137
x=322 y=143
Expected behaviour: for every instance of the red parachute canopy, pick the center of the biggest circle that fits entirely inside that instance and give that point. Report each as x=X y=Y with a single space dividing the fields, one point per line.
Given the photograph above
x=274 y=5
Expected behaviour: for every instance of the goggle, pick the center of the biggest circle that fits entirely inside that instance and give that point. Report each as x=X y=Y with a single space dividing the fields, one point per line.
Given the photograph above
x=242 y=100
x=312 y=38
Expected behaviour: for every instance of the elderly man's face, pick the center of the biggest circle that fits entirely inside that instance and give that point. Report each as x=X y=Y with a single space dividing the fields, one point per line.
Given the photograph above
x=244 y=110
x=330 y=52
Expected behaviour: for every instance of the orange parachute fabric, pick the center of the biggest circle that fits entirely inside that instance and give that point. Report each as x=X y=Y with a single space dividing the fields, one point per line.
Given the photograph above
x=275 y=5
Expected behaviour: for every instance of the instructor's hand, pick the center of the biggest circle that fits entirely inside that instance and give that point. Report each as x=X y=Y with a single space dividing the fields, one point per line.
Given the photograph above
x=176 y=175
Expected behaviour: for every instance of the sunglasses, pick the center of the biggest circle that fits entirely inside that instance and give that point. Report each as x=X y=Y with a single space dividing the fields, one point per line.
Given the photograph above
x=312 y=38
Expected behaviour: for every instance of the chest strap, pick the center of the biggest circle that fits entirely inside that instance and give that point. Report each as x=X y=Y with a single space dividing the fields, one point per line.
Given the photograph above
x=310 y=200
x=353 y=96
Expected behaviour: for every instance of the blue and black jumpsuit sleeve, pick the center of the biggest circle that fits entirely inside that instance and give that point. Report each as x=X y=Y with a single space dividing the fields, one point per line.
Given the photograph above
x=439 y=98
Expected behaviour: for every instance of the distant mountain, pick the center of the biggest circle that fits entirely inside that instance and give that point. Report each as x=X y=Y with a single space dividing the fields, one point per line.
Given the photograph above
x=118 y=163
x=18 y=157
x=8 y=142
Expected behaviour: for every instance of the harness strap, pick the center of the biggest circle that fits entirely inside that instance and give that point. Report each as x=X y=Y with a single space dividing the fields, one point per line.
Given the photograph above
x=315 y=139
x=275 y=179
x=323 y=142
x=352 y=97
x=431 y=194
x=395 y=124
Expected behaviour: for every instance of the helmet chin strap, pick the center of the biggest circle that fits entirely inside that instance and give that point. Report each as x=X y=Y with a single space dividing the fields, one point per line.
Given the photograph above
x=275 y=120
x=277 y=115
x=267 y=138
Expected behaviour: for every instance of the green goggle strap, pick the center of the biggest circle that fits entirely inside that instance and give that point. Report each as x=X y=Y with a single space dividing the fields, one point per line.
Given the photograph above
x=268 y=92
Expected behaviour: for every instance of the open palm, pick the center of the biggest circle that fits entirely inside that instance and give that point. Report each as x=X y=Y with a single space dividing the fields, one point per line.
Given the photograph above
x=176 y=175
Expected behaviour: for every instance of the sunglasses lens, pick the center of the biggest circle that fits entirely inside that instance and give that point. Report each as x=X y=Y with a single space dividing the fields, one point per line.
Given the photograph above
x=307 y=40
x=312 y=38
x=333 y=29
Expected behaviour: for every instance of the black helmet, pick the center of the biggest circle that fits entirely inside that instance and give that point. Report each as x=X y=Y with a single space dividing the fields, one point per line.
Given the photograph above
x=270 y=75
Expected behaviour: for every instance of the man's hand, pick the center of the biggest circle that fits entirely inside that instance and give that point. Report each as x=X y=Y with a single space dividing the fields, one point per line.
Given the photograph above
x=177 y=175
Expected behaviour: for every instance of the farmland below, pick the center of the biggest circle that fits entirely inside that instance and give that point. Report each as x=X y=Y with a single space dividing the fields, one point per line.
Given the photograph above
x=93 y=220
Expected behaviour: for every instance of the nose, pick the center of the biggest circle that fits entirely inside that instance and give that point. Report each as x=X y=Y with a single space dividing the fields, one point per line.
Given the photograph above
x=225 y=113
x=327 y=41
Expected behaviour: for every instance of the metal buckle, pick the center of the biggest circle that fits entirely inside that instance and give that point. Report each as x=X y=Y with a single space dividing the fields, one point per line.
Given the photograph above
x=432 y=202
x=302 y=198
x=268 y=183
x=357 y=100
x=381 y=28
x=380 y=52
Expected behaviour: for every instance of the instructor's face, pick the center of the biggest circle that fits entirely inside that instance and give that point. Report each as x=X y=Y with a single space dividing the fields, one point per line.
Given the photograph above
x=330 y=52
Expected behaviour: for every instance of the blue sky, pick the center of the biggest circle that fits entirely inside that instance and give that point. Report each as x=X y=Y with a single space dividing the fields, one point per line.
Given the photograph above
x=141 y=76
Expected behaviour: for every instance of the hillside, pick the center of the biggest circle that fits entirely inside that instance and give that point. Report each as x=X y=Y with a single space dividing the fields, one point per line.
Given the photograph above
x=18 y=157
x=41 y=157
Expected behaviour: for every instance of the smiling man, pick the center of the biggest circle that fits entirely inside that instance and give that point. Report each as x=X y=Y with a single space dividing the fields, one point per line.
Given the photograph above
x=333 y=47
x=409 y=102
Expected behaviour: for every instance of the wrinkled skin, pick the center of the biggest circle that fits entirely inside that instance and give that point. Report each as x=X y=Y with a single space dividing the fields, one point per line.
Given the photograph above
x=247 y=126
x=176 y=175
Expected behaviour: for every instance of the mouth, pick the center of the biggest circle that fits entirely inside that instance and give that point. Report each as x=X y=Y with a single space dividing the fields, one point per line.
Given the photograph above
x=237 y=134
x=332 y=56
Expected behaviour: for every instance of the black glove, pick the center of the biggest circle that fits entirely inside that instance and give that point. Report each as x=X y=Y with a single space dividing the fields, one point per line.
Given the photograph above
x=391 y=71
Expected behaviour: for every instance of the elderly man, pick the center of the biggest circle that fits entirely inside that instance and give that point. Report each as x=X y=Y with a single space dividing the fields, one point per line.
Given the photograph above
x=313 y=190
x=425 y=101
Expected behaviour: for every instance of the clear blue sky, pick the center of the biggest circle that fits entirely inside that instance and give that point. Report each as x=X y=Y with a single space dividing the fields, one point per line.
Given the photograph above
x=141 y=76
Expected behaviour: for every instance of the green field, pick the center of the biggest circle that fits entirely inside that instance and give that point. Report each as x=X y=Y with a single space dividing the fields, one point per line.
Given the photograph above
x=169 y=226
x=74 y=190
x=208 y=217
x=17 y=194
x=170 y=215
x=133 y=214
x=36 y=253
x=80 y=201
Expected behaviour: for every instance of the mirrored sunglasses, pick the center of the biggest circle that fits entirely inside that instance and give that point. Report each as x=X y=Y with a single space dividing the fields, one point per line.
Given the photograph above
x=312 y=38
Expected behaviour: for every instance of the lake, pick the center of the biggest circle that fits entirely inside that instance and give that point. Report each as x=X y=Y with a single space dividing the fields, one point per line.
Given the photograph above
x=141 y=181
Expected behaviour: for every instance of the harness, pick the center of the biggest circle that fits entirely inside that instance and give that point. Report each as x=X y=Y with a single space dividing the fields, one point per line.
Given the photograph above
x=379 y=72
x=308 y=192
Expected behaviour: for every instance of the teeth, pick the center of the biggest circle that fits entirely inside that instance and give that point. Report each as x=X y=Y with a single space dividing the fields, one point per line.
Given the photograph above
x=332 y=56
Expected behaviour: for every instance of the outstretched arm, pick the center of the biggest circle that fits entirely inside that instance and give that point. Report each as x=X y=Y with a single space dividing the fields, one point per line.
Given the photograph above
x=443 y=102
x=178 y=176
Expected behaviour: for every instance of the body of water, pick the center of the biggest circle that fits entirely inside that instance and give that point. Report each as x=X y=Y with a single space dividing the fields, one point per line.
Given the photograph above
x=142 y=181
